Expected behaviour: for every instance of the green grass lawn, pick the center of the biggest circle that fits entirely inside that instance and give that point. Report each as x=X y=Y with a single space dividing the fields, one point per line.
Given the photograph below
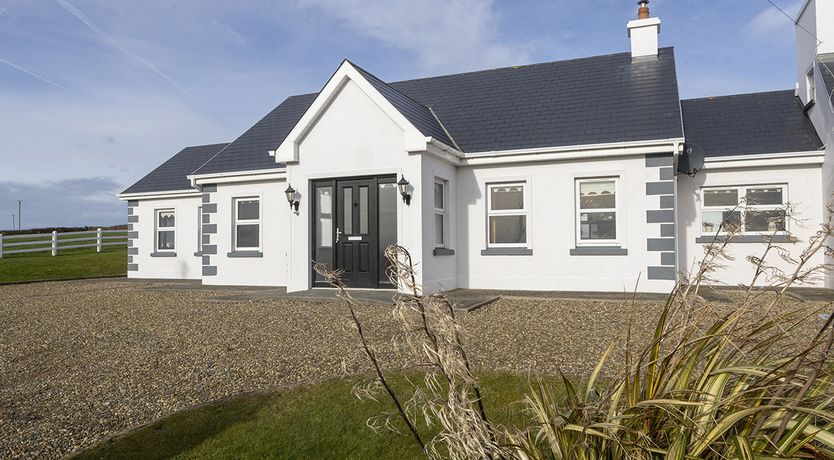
x=323 y=420
x=68 y=264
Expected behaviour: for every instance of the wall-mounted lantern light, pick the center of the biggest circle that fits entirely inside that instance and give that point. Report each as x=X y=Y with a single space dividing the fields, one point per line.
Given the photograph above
x=403 y=185
x=291 y=197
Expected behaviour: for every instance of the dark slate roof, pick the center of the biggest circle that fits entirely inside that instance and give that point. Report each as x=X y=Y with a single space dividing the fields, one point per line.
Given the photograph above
x=593 y=100
x=249 y=152
x=771 y=122
x=826 y=65
x=419 y=115
x=171 y=175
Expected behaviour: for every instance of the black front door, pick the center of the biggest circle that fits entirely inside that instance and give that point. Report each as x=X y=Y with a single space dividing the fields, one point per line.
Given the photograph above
x=356 y=234
x=353 y=220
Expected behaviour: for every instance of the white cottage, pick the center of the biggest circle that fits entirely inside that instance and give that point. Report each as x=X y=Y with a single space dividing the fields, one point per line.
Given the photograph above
x=565 y=175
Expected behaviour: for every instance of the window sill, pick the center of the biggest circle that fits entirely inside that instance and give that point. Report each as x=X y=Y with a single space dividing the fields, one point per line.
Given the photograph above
x=599 y=251
x=444 y=252
x=163 y=254
x=507 y=252
x=245 y=254
x=781 y=238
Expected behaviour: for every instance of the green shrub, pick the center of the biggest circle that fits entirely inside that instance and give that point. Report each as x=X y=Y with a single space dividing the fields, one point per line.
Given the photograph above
x=715 y=381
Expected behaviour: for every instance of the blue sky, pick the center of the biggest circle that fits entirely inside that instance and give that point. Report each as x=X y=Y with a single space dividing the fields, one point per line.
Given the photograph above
x=96 y=93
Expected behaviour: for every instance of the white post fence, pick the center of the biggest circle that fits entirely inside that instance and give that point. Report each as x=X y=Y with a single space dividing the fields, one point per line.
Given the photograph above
x=55 y=242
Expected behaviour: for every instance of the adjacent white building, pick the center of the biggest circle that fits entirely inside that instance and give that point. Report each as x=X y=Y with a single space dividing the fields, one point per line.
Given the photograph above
x=569 y=175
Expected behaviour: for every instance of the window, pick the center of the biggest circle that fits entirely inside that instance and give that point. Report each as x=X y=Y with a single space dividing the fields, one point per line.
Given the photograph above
x=810 y=85
x=247 y=223
x=746 y=209
x=165 y=230
x=507 y=215
x=199 y=229
x=439 y=214
x=596 y=211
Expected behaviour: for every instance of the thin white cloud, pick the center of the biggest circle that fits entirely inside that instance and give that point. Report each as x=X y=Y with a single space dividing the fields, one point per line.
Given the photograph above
x=771 y=23
x=462 y=35
x=144 y=62
x=31 y=74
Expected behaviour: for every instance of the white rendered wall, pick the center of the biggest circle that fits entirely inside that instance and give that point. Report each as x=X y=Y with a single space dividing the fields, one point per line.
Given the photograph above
x=271 y=268
x=439 y=271
x=818 y=19
x=552 y=223
x=185 y=265
x=353 y=137
x=804 y=194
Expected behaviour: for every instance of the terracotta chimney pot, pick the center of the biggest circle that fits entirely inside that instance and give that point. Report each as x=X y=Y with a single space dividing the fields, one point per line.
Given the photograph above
x=643 y=11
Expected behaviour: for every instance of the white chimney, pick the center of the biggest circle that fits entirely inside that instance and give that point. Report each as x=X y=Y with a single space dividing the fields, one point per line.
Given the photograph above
x=643 y=32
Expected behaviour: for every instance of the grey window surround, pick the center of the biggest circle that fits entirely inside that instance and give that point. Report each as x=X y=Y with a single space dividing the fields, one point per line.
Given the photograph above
x=507 y=252
x=444 y=252
x=781 y=238
x=164 y=254
x=599 y=251
x=245 y=254
x=198 y=254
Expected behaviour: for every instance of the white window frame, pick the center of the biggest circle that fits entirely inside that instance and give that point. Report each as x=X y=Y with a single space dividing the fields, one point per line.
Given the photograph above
x=158 y=228
x=236 y=222
x=200 y=229
x=810 y=85
x=442 y=213
x=743 y=208
x=617 y=210
x=524 y=211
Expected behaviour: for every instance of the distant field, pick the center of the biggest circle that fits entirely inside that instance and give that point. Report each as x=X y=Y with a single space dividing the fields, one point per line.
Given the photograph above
x=68 y=264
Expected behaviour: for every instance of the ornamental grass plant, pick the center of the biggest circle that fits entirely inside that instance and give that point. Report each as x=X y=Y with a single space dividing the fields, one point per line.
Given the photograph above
x=715 y=381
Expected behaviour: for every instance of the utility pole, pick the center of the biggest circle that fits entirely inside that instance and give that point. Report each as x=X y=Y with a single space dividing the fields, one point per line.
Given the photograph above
x=19 y=203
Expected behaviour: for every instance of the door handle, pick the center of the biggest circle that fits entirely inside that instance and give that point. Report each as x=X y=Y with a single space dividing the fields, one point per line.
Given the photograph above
x=338 y=234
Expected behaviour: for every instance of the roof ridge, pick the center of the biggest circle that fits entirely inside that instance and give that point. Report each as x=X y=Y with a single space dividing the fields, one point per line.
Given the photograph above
x=362 y=69
x=219 y=151
x=205 y=145
x=472 y=72
x=753 y=93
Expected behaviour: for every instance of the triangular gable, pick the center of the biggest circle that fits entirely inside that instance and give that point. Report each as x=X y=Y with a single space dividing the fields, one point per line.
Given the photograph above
x=417 y=122
x=422 y=117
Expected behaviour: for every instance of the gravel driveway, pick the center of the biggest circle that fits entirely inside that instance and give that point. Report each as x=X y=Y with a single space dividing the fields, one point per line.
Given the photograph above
x=83 y=360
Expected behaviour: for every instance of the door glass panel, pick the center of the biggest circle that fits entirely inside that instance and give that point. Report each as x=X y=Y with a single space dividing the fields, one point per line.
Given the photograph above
x=347 y=211
x=324 y=228
x=363 y=210
x=387 y=225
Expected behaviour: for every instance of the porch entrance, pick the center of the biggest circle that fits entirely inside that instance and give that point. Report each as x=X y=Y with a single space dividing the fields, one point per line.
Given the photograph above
x=354 y=220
